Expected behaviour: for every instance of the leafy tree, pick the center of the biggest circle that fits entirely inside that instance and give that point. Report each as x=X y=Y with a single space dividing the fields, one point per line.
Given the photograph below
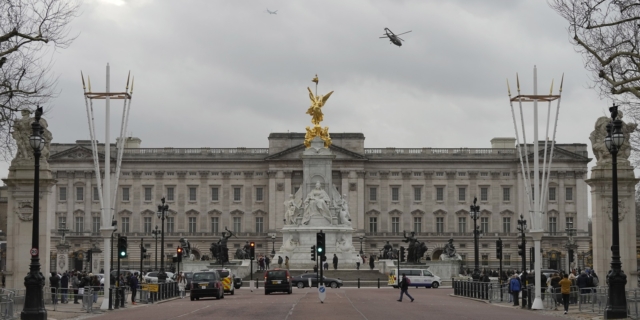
x=30 y=31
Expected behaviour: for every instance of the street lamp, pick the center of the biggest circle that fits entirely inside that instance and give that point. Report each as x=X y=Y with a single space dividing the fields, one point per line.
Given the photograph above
x=617 y=303
x=361 y=238
x=156 y=233
x=273 y=245
x=162 y=212
x=474 y=212
x=34 y=281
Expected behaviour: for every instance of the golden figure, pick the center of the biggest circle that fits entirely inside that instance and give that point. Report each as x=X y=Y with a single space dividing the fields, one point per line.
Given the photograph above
x=315 y=111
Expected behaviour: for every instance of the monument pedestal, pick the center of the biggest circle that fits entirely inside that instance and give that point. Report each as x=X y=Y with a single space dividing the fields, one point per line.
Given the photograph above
x=601 y=197
x=20 y=216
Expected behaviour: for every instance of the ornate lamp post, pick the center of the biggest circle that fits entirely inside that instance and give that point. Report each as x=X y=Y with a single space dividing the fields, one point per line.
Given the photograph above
x=361 y=239
x=617 y=304
x=34 y=281
x=474 y=212
x=162 y=212
x=273 y=245
x=156 y=234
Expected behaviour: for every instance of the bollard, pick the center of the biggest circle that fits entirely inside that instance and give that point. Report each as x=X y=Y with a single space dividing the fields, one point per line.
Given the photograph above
x=378 y=283
x=358 y=283
x=122 y=297
x=117 y=299
x=110 y=302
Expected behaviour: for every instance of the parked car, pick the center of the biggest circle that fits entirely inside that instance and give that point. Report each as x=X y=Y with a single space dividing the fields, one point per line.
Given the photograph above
x=277 y=280
x=206 y=284
x=302 y=281
x=226 y=275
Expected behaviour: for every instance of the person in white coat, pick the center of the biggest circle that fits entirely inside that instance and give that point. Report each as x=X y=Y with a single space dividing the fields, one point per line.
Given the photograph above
x=358 y=261
x=182 y=284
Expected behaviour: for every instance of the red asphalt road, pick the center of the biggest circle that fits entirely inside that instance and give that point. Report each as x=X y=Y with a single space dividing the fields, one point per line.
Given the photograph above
x=347 y=304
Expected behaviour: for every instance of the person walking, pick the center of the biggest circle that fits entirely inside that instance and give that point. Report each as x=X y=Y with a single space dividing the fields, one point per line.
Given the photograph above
x=54 y=283
x=404 y=287
x=514 y=289
x=64 y=287
x=182 y=284
x=133 y=284
x=565 y=289
x=286 y=262
x=267 y=261
x=371 y=262
x=358 y=261
x=555 y=289
x=95 y=286
x=583 y=284
x=335 y=262
x=280 y=262
x=75 y=284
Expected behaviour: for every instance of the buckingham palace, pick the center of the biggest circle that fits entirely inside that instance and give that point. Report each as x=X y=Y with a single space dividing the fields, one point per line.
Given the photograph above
x=389 y=191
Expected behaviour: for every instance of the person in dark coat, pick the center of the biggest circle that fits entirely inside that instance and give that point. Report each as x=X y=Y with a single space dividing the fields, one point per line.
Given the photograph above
x=54 y=283
x=64 y=287
x=133 y=284
x=404 y=287
x=583 y=284
x=371 y=262
x=335 y=262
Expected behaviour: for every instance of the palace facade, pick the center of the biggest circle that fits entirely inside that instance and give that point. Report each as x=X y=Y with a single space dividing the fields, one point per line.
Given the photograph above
x=390 y=190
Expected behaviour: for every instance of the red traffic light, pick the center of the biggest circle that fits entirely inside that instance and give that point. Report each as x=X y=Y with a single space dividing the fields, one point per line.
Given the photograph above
x=253 y=244
x=179 y=250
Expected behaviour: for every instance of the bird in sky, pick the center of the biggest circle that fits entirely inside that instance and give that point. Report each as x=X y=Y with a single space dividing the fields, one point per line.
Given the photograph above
x=272 y=12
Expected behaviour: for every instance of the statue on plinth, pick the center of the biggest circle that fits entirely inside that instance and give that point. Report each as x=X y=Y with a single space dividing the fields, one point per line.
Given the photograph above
x=598 y=135
x=449 y=252
x=316 y=203
x=290 y=214
x=22 y=130
x=412 y=254
x=345 y=217
x=387 y=251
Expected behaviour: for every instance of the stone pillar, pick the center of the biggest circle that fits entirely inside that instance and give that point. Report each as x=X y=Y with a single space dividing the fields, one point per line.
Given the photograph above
x=20 y=216
x=62 y=263
x=275 y=219
x=600 y=183
x=361 y=191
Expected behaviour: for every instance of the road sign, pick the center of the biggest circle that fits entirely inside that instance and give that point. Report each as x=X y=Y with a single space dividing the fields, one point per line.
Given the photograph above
x=322 y=293
x=153 y=287
x=34 y=252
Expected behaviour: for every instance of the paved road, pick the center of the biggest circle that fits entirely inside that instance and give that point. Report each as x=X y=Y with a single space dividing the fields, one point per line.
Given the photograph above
x=347 y=304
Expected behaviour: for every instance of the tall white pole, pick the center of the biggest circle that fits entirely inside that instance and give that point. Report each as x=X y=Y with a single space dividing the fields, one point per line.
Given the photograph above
x=536 y=216
x=107 y=229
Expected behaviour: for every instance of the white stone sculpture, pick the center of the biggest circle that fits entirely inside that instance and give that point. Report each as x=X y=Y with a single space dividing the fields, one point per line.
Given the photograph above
x=316 y=203
x=345 y=217
x=289 y=245
x=22 y=131
x=290 y=214
x=598 y=135
x=342 y=245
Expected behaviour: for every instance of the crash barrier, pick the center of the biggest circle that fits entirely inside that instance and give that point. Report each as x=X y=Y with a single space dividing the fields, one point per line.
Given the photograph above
x=471 y=289
x=549 y=296
x=499 y=293
x=11 y=303
x=633 y=303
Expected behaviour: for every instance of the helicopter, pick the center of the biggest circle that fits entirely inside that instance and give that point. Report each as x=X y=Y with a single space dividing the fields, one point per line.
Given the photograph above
x=394 y=37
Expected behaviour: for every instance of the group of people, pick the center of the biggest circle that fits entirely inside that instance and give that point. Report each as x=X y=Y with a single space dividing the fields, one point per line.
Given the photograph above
x=264 y=262
x=560 y=285
x=74 y=283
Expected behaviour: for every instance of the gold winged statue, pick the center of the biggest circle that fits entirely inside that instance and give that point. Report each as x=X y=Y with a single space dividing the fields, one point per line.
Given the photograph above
x=315 y=111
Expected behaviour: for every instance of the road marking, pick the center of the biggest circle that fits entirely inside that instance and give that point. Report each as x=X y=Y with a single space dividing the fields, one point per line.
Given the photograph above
x=345 y=295
x=294 y=305
x=186 y=314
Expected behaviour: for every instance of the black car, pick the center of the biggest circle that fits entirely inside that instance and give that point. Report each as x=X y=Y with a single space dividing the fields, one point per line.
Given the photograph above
x=206 y=284
x=302 y=281
x=277 y=280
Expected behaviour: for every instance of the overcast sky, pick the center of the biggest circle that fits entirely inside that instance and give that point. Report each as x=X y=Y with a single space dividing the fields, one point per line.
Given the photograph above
x=227 y=73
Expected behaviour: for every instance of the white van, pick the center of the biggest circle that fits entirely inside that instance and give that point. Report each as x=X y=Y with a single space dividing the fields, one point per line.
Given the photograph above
x=418 y=278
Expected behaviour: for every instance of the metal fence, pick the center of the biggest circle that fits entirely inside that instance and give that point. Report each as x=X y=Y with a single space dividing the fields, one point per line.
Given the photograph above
x=471 y=289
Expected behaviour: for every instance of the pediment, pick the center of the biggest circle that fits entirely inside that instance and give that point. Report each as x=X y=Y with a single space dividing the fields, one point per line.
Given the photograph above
x=439 y=212
x=462 y=212
x=373 y=212
x=78 y=212
x=395 y=212
x=485 y=211
x=553 y=212
x=215 y=211
x=190 y=212
x=125 y=212
x=236 y=212
x=76 y=153
x=507 y=212
x=259 y=213
x=295 y=152
x=417 y=212
x=147 y=212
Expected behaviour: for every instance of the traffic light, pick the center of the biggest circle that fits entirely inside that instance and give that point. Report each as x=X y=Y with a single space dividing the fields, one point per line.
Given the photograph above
x=499 y=249
x=122 y=247
x=179 y=254
x=320 y=243
x=401 y=254
x=313 y=253
x=252 y=250
x=521 y=250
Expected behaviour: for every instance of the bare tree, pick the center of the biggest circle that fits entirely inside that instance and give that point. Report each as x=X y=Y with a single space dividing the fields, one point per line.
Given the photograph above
x=30 y=31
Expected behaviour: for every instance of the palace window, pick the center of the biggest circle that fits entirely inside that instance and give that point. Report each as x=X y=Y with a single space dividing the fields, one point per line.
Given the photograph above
x=62 y=221
x=193 y=193
x=462 y=194
x=484 y=194
x=259 y=194
x=62 y=191
x=237 y=192
x=192 y=224
x=373 y=194
x=96 y=195
x=485 y=259
x=214 y=194
x=462 y=224
x=553 y=225
x=507 y=259
x=79 y=224
x=373 y=224
x=484 y=225
x=506 y=224
x=237 y=224
x=147 y=225
x=125 y=224
x=439 y=194
x=395 y=194
x=417 y=225
x=125 y=194
x=569 y=194
x=417 y=193
x=439 y=225
x=79 y=194
x=170 y=194
x=259 y=224
x=569 y=221
x=170 y=224
x=506 y=194
x=147 y=194
x=215 y=226
x=395 y=225
x=552 y=194
x=95 y=225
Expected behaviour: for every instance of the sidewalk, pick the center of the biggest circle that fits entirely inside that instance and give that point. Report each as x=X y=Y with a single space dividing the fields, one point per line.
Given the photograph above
x=574 y=313
x=74 y=311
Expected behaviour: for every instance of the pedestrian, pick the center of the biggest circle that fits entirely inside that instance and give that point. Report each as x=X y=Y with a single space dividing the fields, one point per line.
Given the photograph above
x=358 y=261
x=64 y=287
x=404 y=287
x=335 y=262
x=326 y=265
x=514 y=289
x=267 y=261
x=555 y=289
x=565 y=285
x=315 y=268
x=583 y=284
x=371 y=262
x=286 y=262
x=182 y=284
x=54 y=283
x=133 y=284
x=280 y=262
x=95 y=286
x=261 y=263
x=75 y=284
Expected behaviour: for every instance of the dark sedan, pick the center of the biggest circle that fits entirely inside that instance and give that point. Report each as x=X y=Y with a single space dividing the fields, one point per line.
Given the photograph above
x=206 y=284
x=302 y=281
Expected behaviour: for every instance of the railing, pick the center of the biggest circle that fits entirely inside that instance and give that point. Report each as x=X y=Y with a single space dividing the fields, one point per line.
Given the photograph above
x=471 y=289
x=171 y=151
x=439 y=151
